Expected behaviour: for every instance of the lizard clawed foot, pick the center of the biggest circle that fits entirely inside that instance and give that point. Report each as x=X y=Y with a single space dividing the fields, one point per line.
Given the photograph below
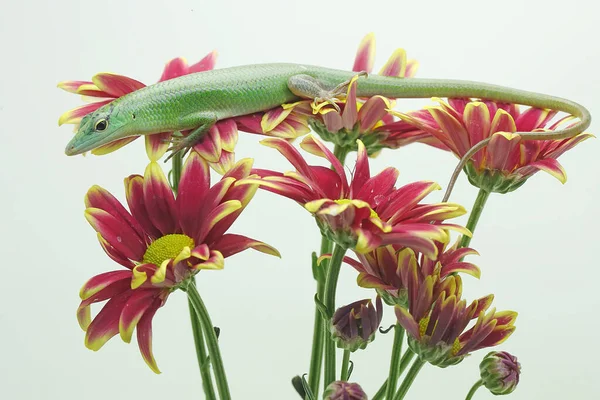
x=335 y=95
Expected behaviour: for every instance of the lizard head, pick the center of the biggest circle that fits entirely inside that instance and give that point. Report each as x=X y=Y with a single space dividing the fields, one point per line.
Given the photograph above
x=98 y=128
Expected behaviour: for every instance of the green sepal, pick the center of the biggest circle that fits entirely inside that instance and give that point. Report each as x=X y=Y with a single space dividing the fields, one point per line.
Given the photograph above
x=493 y=181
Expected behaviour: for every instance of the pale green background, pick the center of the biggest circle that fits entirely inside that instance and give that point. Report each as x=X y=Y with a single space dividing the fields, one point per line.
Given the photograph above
x=538 y=246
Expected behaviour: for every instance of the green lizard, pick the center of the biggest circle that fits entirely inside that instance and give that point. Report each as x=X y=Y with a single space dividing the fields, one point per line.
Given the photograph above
x=197 y=101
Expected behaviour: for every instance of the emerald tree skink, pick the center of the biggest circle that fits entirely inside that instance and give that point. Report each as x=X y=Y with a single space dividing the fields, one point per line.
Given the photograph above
x=196 y=101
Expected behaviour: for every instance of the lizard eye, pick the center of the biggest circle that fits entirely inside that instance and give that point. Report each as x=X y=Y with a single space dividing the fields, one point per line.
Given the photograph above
x=101 y=125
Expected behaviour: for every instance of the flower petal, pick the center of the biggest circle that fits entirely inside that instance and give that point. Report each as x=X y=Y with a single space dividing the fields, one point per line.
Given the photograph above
x=134 y=309
x=116 y=85
x=207 y=63
x=174 y=69
x=118 y=233
x=134 y=191
x=157 y=145
x=549 y=165
x=217 y=214
x=194 y=184
x=159 y=199
x=231 y=244
x=113 y=146
x=503 y=151
x=365 y=55
x=106 y=324
x=75 y=115
x=372 y=112
x=395 y=65
x=452 y=128
x=144 y=335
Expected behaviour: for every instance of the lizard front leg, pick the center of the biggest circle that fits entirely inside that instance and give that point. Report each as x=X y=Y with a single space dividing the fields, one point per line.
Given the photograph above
x=307 y=87
x=203 y=121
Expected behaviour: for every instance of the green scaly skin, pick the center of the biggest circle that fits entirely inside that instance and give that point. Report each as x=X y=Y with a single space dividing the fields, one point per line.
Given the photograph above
x=197 y=101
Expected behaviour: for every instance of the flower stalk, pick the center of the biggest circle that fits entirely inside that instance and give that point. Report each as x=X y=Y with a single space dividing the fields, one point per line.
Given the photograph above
x=480 y=201
x=211 y=341
x=316 y=357
x=406 y=359
x=331 y=280
x=395 y=361
x=476 y=386
x=203 y=360
x=345 y=366
x=409 y=378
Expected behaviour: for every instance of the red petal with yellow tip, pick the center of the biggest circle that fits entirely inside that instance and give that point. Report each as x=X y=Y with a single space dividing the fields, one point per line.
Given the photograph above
x=98 y=197
x=117 y=232
x=365 y=55
x=72 y=86
x=395 y=65
x=452 y=128
x=144 y=335
x=83 y=311
x=350 y=113
x=207 y=63
x=503 y=122
x=100 y=282
x=228 y=134
x=113 y=253
x=209 y=145
x=75 y=115
x=407 y=321
x=333 y=121
x=503 y=151
x=157 y=145
x=134 y=191
x=159 y=199
x=134 y=309
x=533 y=118
x=242 y=169
x=174 y=69
x=549 y=165
x=378 y=186
x=217 y=214
x=372 y=112
x=292 y=155
x=231 y=244
x=116 y=85
x=112 y=146
x=225 y=163
x=476 y=118
x=106 y=324
x=194 y=184
x=411 y=195
x=411 y=68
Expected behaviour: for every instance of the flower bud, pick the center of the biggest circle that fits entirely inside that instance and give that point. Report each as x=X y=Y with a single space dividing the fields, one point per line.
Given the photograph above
x=340 y=390
x=354 y=326
x=500 y=372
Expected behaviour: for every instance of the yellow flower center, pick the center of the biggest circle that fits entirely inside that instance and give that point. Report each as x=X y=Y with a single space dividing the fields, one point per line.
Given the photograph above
x=167 y=247
x=350 y=201
x=423 y=324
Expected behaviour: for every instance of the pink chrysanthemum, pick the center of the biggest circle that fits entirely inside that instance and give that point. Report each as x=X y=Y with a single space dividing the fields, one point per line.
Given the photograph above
x=162 y=242
x=366 y=212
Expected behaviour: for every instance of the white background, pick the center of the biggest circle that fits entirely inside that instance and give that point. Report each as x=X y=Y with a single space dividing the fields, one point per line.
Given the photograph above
x=538 y=245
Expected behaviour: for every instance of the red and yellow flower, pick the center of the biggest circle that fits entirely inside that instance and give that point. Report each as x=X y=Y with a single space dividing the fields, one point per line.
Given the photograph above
x=366 y=119
x=163 y=241
x=436 y=317
x=389 y=269
x=507 y=161
x=366 y=212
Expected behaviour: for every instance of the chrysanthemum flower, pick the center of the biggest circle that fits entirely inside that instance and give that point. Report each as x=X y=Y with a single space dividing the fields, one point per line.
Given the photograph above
x=390 y=270
x=366 y=212
x=500 y=372
x=216 y=147
x=507 y=161
x=162 y=242
x=353 y=326
x=435 y=316
x=365 y=119
x=342 y=390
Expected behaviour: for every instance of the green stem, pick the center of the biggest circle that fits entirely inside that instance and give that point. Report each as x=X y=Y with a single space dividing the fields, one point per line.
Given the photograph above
x=409 y=379
x=316 y=356
x=480 y=201
x=406 y=359
x=395 y=361
x=476 y=386
x=333 y=272
x=177 y=165
x=340 y=153
x=211 y=341
x=203 y=362
x=345 y=365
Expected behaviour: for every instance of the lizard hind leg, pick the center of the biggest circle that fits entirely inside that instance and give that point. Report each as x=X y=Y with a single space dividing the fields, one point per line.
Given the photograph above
x=308 y=87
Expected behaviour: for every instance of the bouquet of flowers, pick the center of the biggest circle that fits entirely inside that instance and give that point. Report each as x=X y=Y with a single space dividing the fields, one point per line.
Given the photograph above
x=402 y=247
